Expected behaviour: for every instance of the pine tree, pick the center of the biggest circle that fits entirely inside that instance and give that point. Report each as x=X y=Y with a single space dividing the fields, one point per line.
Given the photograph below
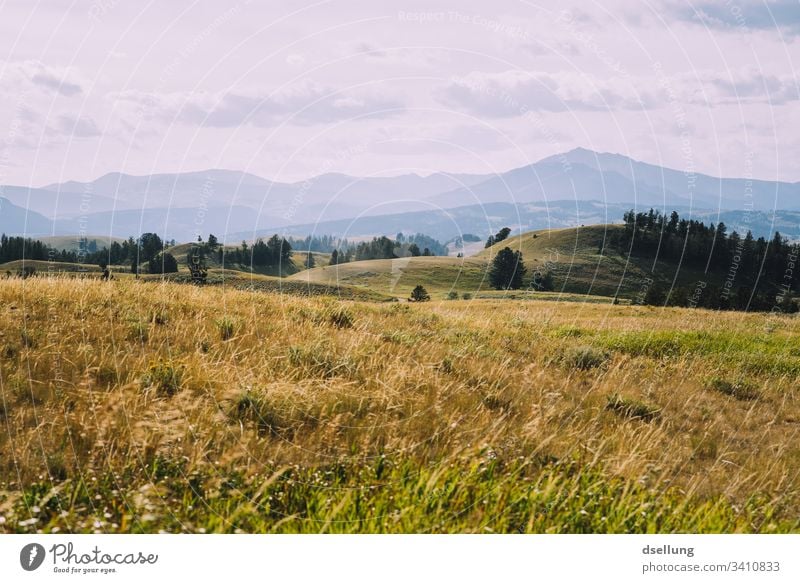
x=420 y=294
x=507 y=270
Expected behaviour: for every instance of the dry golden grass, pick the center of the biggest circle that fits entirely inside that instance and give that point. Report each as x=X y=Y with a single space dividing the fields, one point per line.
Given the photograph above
x=139 y=406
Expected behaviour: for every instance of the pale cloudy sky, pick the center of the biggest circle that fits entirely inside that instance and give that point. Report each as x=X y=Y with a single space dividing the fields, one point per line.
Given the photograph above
x=289 y=89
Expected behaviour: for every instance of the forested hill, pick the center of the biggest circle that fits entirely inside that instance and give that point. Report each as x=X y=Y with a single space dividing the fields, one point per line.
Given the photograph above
x=742 y=272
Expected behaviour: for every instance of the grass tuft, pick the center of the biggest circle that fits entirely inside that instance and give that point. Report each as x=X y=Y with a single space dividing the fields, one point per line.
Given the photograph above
x=632 y=408
x=163 y=377
x=585 y=357
x=740 y=389
x=227 y=328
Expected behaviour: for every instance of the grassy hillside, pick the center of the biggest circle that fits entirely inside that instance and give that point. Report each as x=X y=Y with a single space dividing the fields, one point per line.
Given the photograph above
x=298 y=261
x=397 y=277
x=572 y=256
x=131 y=407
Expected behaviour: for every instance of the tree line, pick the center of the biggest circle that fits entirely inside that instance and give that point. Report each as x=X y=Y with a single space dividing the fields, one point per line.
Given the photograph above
x=756 y=274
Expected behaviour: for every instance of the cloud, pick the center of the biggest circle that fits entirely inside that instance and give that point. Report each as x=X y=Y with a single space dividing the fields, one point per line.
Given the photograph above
x=747 y=85
x=76 y=127
x=21 y=74
x=59 y=85
x=513 y=93
x=370 y=50
x=746 y=14
x=51 y=79
x=305 y=104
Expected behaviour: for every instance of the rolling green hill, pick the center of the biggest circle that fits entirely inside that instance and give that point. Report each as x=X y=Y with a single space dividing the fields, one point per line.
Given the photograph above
x=398 y=277
x=587 y=260
x=584 y=262
x=573 y=257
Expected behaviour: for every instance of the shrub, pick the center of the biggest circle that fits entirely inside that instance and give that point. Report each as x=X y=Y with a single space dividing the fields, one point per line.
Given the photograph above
x=163 y=263
x=466 y=296
x=585 y=357
x=740 y=389
x=452 y=295
x=420 y=294
x=631 y=408
x=163 y=377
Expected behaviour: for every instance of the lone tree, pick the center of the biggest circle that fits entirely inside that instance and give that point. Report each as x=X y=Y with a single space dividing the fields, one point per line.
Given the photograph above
x=150 y=245
x=507 y=270
x=310 y=261
x=334 y=257
x=213 y=242
x=163 y=263
x=420 y=294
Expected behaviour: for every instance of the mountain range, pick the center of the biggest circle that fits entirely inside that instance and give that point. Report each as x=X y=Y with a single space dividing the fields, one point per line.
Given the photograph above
x=576 y=187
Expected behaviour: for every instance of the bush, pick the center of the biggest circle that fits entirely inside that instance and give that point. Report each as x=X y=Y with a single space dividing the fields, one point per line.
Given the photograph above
x=163 y=263
x=420 y=294
x=631 y=408
x=164 y=378
x=585 y=357
x=740 y=389
x=453 y=295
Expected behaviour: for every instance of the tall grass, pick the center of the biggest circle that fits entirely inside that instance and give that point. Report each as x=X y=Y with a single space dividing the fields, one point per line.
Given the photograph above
x=129 y=407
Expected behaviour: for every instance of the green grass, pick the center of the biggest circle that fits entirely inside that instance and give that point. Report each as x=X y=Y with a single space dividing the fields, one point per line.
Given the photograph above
x=739 y=389
x=477 y=494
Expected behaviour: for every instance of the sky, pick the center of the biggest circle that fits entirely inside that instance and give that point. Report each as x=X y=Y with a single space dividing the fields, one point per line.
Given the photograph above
x=291 y=89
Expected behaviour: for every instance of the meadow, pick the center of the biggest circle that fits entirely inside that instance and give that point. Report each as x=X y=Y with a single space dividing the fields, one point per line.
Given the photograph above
x=145 y=406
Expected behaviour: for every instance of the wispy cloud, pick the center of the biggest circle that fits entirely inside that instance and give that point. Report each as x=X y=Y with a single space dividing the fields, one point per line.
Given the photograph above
x=305 y=104
x=513 y=93
x=76 y=126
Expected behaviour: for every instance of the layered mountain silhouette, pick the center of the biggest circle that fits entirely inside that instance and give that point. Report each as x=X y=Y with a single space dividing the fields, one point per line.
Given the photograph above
x=576 y=187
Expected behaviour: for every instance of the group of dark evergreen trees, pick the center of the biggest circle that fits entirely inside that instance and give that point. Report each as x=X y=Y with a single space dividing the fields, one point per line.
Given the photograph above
x=149 y=250
x=275 y=252
x=319 y=244
x=744 y=273
x=501 y=235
